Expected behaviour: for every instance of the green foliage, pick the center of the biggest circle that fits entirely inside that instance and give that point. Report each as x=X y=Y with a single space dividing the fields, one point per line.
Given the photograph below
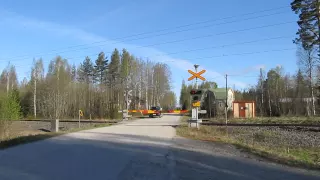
x=309 y=22
x=208 y=85
x=169 y=101
x=10 y=106
x=26 y=102
x=184 y=96
x=125 y=64
x=86 y=71
x=114 y=65
x=114 y=114
x=100 y=68
x=96 y=88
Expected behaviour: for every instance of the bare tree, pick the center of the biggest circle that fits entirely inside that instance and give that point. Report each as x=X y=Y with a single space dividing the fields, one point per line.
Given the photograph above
x=36 y=75
x=307 y=64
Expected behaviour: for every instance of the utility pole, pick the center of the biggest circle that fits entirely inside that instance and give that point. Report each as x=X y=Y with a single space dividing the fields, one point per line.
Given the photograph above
x=226 y=108
x=262 y=93
x=269 y=100
x=35 y=93
x=8 y=78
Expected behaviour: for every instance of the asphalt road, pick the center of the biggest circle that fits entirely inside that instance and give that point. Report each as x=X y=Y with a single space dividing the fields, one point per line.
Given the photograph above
x=142 y=149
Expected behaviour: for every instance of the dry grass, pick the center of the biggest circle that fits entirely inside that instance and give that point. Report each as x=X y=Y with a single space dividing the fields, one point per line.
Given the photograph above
x=287 y=146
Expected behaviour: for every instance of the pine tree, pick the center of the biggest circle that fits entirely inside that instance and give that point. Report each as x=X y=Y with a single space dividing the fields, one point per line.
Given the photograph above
x=125 y=64
x=86 y=71
x=113 y=81
x=183 y=96
x=309 y=23
x=101 y=68
x=10 y=106
x=113 y=74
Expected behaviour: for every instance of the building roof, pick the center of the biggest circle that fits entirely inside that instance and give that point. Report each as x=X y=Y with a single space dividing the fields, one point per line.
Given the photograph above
x=220 y=93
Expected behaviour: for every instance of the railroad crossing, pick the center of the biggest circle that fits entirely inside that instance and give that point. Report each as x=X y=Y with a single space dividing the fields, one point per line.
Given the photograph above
x=196 y=95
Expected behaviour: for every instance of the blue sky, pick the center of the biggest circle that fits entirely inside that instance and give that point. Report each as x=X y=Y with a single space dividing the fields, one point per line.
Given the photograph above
x=34 y=28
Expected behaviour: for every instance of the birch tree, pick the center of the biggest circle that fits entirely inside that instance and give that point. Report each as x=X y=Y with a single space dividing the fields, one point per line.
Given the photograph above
x=307 y=64
x=37 y=74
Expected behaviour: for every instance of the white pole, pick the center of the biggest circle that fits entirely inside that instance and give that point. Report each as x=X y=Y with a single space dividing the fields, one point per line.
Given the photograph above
x=197 y=108
x=226 y=105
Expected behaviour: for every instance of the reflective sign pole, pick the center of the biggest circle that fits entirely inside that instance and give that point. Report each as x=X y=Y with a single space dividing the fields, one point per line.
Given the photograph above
x=79 y=118
x=195 y=94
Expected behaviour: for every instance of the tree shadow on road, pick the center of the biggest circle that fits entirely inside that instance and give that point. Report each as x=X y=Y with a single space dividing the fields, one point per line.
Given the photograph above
x=80 y=156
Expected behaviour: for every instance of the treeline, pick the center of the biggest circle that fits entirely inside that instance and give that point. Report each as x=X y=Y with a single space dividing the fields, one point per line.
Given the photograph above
x=97 y=87
x=277 y=93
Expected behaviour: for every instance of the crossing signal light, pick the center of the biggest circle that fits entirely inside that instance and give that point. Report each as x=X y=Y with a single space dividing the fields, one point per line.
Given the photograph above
x=195 y=98
x=196 y=92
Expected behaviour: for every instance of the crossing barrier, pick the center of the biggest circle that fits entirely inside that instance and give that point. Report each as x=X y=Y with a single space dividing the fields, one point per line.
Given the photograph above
x=153 y=111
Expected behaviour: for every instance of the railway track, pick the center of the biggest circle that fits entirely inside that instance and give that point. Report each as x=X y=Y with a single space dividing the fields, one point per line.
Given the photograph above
x=260 y=124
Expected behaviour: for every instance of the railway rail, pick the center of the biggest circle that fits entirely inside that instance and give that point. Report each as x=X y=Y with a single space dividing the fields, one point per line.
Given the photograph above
x=260 y=124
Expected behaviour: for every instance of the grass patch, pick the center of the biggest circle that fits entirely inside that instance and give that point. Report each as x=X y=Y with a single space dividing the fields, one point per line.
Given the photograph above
x=17 y=140
x=271 y=144
x=26 y=139
x=184 y=119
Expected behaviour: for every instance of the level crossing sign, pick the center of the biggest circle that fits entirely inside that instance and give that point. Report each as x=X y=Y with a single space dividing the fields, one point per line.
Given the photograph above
x=196 y=104
x=80 y=113
x=196 y=75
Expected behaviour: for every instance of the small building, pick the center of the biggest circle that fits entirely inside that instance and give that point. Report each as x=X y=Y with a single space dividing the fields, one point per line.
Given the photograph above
x=244 y=109
x=221 y=97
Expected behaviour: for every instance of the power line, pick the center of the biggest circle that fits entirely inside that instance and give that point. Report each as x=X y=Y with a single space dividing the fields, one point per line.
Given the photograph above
x=218 y=34
x=237 y=54
x=248 y=53
x=203 y=22
x=227 y=45
x=258 y=76
x=177 y=27
x=214 y=47
x=193 y=38
x=223 y=23
x=125 y=37
x=237 y=75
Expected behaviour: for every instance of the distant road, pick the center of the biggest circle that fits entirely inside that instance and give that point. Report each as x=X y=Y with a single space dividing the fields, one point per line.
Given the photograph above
x=141 y=149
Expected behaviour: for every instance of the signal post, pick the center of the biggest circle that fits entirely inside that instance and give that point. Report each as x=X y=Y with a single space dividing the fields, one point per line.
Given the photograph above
x=196 y=97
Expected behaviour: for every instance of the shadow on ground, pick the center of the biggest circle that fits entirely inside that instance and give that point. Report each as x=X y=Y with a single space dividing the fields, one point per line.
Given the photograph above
x=81 y=156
